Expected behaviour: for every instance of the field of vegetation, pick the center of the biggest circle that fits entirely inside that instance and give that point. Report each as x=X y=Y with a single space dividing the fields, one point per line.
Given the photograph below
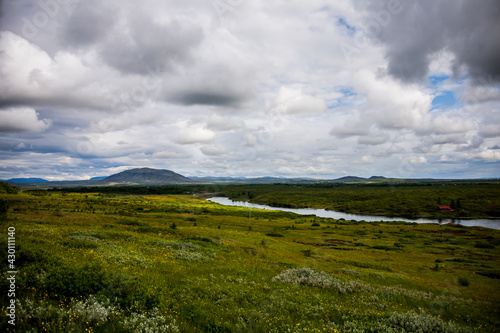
x=103 y=262
x=467 y=199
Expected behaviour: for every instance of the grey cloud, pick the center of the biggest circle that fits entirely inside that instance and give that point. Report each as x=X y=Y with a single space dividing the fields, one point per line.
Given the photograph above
x=468 y=29
x=1 y=13
x=207 y=98
x=89 y=22
x=373 y=140
x=212 y=150
x=145 y=45
x=218 y=123
x=474 y=143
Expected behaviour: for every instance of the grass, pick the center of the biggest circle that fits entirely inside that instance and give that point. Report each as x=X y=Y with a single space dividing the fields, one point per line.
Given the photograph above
x=89 y=262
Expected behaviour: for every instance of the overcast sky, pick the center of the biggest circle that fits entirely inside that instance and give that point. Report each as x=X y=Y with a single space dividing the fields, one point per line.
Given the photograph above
x=292 y=88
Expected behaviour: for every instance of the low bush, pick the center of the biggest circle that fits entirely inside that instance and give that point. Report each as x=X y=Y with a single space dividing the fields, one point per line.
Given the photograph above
x=490 y=274
x=464 y=282
x=274 y=234
x=413 y=322
x=484 y=245
x=310 y=277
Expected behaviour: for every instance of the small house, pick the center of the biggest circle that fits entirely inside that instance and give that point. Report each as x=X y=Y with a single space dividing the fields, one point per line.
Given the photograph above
x=444 y=208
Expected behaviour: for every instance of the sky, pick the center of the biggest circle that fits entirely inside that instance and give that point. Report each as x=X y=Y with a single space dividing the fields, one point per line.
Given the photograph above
x=286 y=88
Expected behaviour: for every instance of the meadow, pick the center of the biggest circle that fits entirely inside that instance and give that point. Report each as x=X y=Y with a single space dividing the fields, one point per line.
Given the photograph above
x=110 y=262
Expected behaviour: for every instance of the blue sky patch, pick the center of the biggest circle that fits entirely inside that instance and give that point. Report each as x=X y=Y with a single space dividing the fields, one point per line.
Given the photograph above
x=350 y=29
x=445 y=100
x=437 y=79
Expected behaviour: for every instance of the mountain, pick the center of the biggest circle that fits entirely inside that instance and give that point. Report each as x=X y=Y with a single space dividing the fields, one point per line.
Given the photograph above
x=349 y=179
x=27 y=180
x=145 y=176
x=376 y=177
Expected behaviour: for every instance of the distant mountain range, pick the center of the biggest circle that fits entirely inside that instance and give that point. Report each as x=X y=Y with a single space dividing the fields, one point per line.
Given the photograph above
x=27 y=180
x=154 y=177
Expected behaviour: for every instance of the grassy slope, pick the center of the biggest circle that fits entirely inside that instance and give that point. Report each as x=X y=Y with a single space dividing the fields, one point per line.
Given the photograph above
x=203 y=278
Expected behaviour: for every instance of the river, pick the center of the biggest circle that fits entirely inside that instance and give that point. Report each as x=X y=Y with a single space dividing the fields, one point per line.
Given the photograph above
x=487 y=223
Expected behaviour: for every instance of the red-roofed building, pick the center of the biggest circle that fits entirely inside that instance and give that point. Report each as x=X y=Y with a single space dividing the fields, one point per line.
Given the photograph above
x=444 y=208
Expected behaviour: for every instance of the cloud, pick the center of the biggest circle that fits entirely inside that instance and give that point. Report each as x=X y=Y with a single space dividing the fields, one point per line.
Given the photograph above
x=167 y=155
x=489 y=155
x=389 y=104
x=373 y=140
x=421 y=29
x=293 y=101
x=89 y=22
x=489 y=130
x=218 y=123
x=142 y=44
x=415 y=160
x=213 y=150
x=30 y=76
x=356 y=124
x=194 y=134
x=22 y=120
x=222 y=75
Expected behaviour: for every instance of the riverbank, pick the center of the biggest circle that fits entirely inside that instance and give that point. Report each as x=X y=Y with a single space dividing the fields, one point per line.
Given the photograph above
x=466 y=200
x=486 y=223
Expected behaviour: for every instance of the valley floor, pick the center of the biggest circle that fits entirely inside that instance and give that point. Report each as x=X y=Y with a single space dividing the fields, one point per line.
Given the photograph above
x=177 y=263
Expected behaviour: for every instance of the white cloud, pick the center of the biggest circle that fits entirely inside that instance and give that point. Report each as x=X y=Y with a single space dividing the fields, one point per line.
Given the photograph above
x=167 y=155
x=416 y=159
x=489 y=155
x=213 y=150
x=22 y=120
x=389 y=104
x=194 y=134
x=293 y=101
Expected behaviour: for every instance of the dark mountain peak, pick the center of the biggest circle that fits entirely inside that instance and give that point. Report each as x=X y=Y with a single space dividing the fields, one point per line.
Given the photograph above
x=146 y=176
x=350 y=179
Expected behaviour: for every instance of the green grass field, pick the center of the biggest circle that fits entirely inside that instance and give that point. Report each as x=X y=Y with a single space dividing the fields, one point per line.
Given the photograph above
x=177 y=263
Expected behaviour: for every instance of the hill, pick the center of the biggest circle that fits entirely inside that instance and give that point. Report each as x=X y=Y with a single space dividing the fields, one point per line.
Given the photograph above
x=349 y=179
x=27 y=180
x=145 y=176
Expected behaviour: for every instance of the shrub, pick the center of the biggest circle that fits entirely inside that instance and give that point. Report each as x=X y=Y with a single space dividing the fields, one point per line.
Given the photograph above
x=72 y=282
x=413 y=322
x=188 y=256
x=182 y=246
x=93 y=311
x=307 y=253
x=490 y=274
x=151 y=322
x=98 y=312
x=4 y=208
x=274 y=234
x=80 y=243
x=464 y=282
x=484 y=245
x=309 y=277
x=134 y=223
